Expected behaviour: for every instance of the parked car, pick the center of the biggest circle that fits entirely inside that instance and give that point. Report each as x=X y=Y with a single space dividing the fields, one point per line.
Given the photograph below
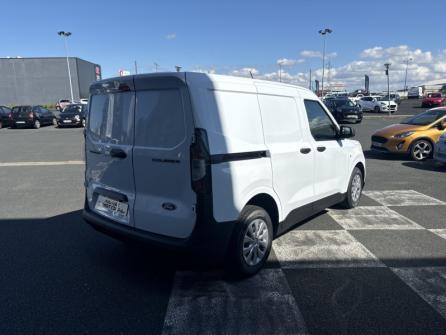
x=432 y=100
x=31 y=116
x=5 y=116
x=393 y=97
x=415 y=136
x=440 y=149
x=84 y=101
x=377 y=104
x=344 y=110
x=415 y=92
x=61 y=104
x=72 y=115
x=217 y=161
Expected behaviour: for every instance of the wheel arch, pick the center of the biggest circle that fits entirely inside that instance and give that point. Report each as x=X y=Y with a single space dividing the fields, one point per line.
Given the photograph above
x=269 y=204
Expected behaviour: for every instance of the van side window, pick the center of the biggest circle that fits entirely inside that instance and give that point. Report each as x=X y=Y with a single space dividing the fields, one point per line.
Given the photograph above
x=321 y=126
x=159 y=118
x=111 y=116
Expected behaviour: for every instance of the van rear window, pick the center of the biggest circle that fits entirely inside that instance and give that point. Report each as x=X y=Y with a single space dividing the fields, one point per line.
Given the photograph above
x=159 y=118
x=110 y=117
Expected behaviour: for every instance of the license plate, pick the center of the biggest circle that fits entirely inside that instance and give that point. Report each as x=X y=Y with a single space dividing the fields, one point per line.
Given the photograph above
x=352 y=116
x=111 y=207
x=66 y=121
x=20 y=122
x=377 y=144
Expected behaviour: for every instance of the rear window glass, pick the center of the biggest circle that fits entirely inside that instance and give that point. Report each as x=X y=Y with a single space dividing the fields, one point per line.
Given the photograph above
x=21 y=109
x=159 y=119
x=110 y=117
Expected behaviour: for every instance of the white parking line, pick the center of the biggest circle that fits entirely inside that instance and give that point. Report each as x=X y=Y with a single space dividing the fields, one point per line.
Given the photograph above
x=205 y=303
x=5 y=164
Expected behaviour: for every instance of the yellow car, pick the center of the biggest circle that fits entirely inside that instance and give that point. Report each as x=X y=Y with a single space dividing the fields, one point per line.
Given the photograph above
x=415 y=136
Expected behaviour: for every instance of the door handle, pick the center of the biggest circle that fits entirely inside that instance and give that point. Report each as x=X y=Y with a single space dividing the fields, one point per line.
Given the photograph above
x=118 y=153
x=321 y=149
x=305 y=150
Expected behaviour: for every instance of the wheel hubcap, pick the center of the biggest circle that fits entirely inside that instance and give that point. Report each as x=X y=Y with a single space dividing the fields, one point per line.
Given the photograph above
x=422 y=150
x=255 y=242
x=356 y=188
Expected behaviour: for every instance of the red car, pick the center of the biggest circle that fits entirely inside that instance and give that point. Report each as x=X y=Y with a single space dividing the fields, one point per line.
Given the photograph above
x=433 y=99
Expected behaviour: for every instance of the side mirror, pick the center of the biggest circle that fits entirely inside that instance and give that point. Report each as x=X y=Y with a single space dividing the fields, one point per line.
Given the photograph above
x=346 y=132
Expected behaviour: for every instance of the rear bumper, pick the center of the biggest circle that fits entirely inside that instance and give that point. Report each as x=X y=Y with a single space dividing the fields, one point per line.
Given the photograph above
x=74 y=123
x=22 y=123
x=208 y=235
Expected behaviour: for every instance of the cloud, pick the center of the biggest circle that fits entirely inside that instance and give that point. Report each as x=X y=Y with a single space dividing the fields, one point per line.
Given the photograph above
x=425 y=66
x=289 y=62
x=316 y=54
x=245 y=72
x=171 y=36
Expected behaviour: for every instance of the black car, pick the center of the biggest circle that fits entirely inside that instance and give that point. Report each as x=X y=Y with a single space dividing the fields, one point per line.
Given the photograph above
x=344 y=110
x=31 y=116
x=5 y=116
x=72 y=115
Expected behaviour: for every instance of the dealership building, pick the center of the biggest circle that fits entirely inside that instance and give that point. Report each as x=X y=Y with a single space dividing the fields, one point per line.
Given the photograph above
x=44 y=80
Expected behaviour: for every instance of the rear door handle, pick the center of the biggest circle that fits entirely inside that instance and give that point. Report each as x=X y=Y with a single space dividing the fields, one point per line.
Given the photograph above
x=118 y=153
x=305 y=150
x=321 y=149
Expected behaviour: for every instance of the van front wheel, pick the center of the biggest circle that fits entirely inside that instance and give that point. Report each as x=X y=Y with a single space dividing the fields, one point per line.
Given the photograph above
x=354 y=189
x=252 y=240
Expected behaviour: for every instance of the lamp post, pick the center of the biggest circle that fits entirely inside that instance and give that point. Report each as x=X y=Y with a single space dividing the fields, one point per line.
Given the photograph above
x=387 y=65
x=405 y=77
x=177 y=68
x=324 y=32
x=280 y=71
x=65 y=35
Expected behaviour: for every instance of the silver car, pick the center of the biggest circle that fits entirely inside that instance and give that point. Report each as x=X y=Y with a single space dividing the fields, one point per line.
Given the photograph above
x=440 y=149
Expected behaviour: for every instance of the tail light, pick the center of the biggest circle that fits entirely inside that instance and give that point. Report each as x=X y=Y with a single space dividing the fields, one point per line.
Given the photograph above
x=199 y=160
x=31 y=115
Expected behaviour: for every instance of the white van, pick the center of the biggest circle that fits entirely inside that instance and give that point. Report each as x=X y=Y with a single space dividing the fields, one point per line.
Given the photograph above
x=415 y=92
x=215 y=162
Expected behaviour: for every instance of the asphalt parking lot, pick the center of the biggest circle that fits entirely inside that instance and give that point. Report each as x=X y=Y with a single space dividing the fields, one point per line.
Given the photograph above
x=378 y=269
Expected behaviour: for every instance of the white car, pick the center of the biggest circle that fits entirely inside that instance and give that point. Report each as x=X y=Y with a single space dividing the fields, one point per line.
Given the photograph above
x=377 y=104
x=440 y=149
x=218 y=164
x=415 y=92
x=83 y=101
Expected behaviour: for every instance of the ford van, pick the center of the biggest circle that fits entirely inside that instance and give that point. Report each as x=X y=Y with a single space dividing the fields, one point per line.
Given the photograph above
x=215 y=163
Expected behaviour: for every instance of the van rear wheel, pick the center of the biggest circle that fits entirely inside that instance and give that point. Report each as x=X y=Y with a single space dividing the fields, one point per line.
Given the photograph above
x=251 y=241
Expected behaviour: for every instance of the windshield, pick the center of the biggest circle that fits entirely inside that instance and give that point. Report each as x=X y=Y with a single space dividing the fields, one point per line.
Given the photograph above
x=425 y=118
x=21 y=109
x=73 y=109
x=434 y=95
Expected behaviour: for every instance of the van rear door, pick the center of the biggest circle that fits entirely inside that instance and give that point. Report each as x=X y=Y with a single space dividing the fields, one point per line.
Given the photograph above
x=108 y=143
x=165 y=201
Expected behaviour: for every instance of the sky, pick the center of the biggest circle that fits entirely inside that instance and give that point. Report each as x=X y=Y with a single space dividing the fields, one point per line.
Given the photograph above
x=239 y=37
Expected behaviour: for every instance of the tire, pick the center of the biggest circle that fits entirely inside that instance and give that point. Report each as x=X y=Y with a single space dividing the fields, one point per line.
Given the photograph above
x=54 y=122
x=377 y=109
x=251 y=242
x=354 y=191
x=421 y=150
x=1 y=124
x=36 y=124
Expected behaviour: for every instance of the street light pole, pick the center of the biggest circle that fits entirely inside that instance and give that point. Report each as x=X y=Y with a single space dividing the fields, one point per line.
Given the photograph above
x=280 y=71
x=65 y=35
x=324 y=32
x=405 y=77
x=387 y=65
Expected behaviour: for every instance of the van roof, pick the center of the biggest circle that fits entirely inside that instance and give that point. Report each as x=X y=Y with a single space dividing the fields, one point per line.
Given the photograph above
x=199 y=76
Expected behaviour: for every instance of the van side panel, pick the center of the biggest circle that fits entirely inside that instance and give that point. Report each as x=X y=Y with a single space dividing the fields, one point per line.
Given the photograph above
x=230 y=114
